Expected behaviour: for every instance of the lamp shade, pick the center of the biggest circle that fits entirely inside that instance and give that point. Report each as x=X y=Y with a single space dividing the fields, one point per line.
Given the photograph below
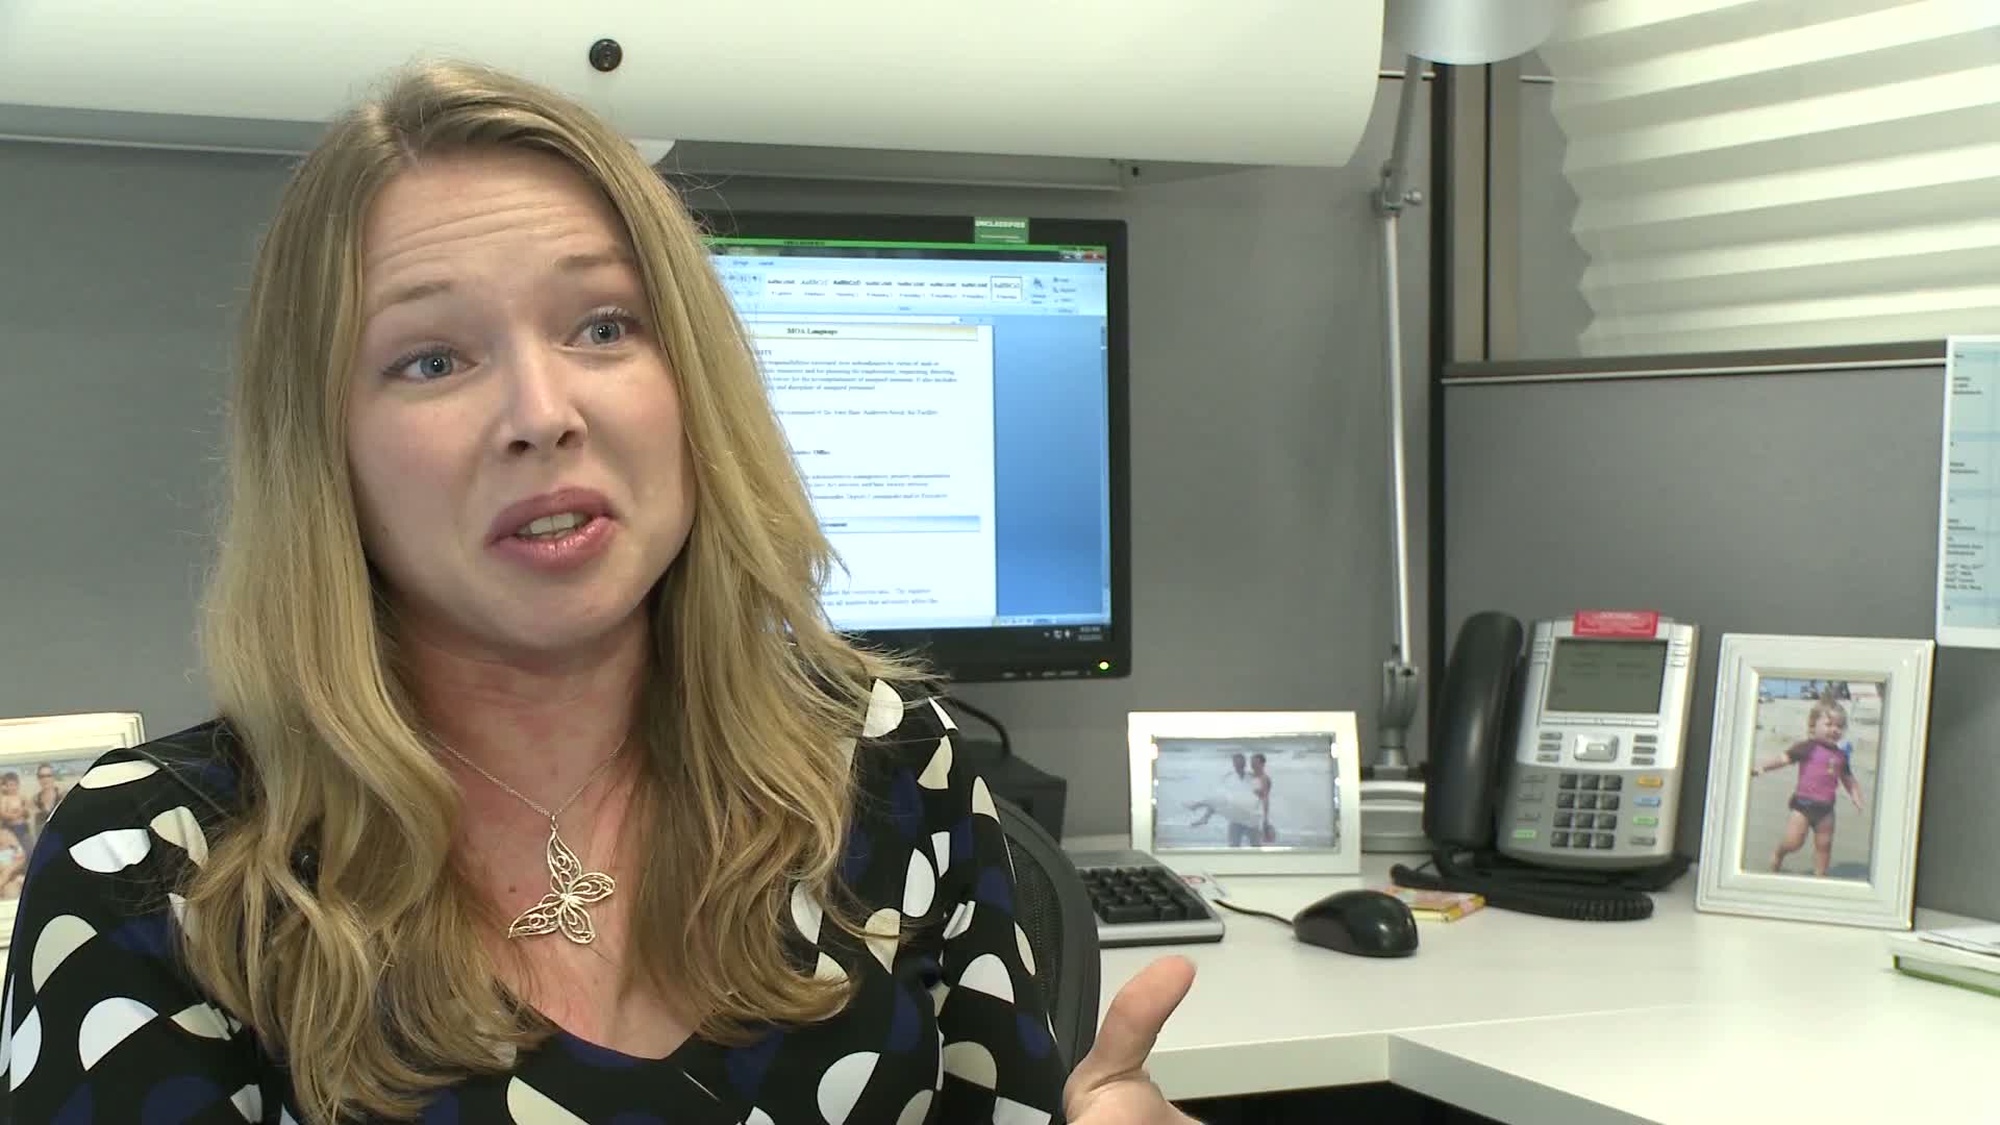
x=1469 y=32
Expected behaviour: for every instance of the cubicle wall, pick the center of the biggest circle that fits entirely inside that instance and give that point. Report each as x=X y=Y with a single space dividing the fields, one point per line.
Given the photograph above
x=1795 y=496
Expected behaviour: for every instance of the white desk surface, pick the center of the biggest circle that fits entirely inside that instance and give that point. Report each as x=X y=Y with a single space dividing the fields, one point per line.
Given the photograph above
x=1684 y=1017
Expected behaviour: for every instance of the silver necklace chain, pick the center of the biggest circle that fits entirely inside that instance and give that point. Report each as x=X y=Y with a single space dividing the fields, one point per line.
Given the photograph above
x=523 y=798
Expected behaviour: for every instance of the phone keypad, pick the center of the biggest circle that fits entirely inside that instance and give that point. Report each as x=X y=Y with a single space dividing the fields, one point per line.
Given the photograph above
x=1611 y=783
x=1561 y=839
x=1588 y=807
x=1591 y=811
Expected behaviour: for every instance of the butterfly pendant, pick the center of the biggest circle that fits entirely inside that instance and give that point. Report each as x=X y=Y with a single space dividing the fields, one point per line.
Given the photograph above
x=562 y=908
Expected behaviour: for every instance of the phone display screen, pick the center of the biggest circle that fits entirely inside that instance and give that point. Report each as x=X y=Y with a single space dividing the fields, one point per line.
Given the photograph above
x=1607 y=677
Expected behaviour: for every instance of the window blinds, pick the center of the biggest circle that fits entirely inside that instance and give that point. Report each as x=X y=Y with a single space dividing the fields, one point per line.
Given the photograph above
x=1782 y=173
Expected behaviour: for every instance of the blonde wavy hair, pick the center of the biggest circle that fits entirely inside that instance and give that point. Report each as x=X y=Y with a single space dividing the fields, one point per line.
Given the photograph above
x=371 y=981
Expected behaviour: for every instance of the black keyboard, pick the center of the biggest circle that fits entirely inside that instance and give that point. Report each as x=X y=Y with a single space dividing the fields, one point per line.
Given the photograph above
x=1140 y=901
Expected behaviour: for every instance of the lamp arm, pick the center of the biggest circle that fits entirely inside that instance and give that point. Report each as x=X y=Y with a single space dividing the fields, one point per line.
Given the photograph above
x=1392 y=192
x=1400 y=694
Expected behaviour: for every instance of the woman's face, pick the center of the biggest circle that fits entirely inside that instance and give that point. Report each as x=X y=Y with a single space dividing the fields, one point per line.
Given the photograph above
x=514 y=431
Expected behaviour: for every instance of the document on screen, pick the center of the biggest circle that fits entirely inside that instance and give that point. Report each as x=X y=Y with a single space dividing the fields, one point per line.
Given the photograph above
x=891 y=422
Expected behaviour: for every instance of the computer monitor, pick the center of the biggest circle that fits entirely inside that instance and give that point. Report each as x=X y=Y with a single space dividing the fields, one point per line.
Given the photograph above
x=954 y=390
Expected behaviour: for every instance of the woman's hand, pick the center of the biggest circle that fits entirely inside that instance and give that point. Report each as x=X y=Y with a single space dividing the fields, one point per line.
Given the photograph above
x=1110 y=1085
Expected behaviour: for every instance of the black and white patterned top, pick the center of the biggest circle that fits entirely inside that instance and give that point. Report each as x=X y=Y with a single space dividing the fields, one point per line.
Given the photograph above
x=102 y=1023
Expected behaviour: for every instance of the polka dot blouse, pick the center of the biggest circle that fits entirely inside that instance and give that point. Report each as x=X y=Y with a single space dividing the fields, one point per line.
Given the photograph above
x=103 y=1024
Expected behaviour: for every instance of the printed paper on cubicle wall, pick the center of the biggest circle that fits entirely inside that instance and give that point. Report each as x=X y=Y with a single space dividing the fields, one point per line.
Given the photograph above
x=1968 y=581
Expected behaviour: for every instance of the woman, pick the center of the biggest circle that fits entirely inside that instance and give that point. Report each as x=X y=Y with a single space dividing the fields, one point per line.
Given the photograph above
x=48 y=794
x=541 y=790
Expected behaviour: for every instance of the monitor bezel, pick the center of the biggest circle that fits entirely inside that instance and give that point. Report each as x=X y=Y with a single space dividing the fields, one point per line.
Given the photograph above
x=999 y=654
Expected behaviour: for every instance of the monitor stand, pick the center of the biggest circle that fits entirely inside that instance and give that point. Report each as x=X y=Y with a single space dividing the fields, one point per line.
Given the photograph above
x=1040 y=794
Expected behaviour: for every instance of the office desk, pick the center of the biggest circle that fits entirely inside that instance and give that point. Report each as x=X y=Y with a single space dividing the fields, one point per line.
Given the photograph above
x=1685 y=1017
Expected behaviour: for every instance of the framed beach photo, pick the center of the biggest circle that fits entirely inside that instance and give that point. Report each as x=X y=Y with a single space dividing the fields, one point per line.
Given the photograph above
x=42 y=758
x=1247 y=792
x=1815 y=778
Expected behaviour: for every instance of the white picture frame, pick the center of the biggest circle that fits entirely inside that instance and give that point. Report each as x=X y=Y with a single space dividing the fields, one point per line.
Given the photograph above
x=1195 y=810
x=63 y=747
x=1818 y=743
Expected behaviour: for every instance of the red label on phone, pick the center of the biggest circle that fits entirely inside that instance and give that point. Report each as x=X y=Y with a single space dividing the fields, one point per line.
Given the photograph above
x=1616 y=622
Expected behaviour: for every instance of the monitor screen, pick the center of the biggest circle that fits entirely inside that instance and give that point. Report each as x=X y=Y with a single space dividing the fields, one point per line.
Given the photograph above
x=956 y=405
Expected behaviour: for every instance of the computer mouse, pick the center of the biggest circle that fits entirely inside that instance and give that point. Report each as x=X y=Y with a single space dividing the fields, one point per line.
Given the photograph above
x=1364 y=923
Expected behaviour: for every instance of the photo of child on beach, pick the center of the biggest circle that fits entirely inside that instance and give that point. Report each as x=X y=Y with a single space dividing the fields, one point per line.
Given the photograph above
x=1813 y=770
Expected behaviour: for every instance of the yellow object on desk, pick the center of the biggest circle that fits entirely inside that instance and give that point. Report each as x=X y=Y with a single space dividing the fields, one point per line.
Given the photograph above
x=1435 y=906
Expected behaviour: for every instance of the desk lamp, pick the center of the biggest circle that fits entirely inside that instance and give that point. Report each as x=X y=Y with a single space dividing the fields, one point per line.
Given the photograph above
x=1449 y=33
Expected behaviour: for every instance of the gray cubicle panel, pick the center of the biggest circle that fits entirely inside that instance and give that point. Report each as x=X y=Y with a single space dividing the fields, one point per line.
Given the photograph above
x=1798 y=500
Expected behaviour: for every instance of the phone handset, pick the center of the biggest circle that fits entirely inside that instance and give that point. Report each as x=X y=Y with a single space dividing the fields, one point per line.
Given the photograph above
x=1469 y=739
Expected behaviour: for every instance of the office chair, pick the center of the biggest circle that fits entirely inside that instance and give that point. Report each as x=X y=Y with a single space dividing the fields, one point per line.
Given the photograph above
x=1055 y=912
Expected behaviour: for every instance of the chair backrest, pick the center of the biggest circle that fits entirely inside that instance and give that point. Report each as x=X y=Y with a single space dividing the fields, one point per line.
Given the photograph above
x=1054 y=911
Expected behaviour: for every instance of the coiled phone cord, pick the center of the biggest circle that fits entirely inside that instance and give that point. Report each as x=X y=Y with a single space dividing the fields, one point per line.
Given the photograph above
x=1581 y=896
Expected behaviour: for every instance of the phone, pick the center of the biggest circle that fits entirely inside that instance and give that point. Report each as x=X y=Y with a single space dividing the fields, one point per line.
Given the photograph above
x=1556 y=759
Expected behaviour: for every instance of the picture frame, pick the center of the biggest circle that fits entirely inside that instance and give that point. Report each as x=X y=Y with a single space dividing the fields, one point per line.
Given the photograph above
x=42 y=757
x=1815 y=779
x=1247 y=792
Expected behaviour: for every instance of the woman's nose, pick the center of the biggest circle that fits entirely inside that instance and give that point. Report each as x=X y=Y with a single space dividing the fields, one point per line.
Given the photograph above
x=542 y=411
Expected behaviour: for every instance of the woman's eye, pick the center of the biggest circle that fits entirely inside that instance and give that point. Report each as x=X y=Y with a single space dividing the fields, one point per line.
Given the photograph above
x=424 y=366
x=606 y=328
